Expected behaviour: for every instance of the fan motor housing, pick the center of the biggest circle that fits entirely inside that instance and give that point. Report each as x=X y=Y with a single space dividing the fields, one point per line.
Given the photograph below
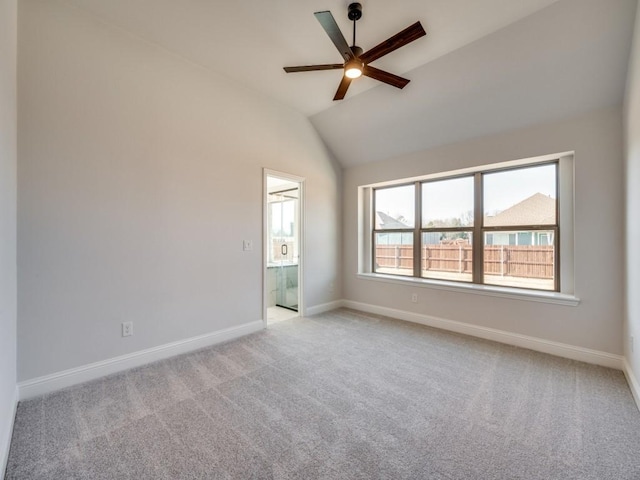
x=355 y=11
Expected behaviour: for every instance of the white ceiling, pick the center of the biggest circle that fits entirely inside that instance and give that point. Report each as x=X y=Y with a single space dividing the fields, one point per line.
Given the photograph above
x=478 y=59
x=564 y=60
x=251 y=40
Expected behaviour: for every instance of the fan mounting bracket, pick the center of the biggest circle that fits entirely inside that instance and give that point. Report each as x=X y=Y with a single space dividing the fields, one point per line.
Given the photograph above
x=355 y=11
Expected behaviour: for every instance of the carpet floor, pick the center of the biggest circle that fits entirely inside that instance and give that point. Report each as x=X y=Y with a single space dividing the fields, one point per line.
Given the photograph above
x=342 y=395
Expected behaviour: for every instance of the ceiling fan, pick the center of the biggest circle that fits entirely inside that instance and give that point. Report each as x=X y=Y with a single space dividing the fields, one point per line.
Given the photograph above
x=356 y=61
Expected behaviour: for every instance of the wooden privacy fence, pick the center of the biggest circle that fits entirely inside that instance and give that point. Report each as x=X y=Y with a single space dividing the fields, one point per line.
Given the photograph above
x=447 y=258
x=505 y=260
x=519 y=260
x=394 y=256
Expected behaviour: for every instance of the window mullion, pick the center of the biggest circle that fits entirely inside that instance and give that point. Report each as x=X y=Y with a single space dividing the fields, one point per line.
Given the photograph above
x=374 y=225
x=478 y=238
x=556 y=235
x=417 y=241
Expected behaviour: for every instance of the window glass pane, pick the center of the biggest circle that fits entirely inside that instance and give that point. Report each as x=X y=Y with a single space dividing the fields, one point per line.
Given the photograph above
x=395 y=207
x=525 y=196
x=393 y=253
x=520 y=259
x=288 y=217
x=447 y=203
x=281 y=218
x=447 y=256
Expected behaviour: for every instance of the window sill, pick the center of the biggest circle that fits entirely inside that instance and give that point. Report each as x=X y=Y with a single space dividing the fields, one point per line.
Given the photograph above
x=487 y=290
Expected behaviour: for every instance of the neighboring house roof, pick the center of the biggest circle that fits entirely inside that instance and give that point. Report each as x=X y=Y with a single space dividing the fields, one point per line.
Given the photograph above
x=538 y=209
x=387 y=221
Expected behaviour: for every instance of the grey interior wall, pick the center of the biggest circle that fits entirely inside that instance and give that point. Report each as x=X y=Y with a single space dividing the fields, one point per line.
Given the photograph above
x=140 y=176
x=632 y=178
x=596 y=323
x=8 y=119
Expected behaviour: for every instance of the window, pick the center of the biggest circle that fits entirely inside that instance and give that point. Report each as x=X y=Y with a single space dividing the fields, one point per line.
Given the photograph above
x=497 y=226
x=447 y=229
x=393 y=236
x=520 y=213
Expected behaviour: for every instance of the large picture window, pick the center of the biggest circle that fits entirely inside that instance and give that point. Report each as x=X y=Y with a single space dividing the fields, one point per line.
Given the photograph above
x=494 y=227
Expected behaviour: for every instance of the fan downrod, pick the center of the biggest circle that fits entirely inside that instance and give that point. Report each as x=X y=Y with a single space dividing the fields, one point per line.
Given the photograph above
x=355 y=13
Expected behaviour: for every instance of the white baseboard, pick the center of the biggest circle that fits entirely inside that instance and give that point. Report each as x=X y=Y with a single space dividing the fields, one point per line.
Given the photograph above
x=5 y=438
x=74 y=376
x=532 y=343
x=632 y=380
x=324 y=307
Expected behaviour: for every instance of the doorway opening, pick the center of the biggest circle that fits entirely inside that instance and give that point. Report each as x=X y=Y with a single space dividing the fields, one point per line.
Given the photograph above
x=283 y=253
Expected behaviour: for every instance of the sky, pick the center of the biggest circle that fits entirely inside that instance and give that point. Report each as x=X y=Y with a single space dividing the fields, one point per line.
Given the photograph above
x=454 y=197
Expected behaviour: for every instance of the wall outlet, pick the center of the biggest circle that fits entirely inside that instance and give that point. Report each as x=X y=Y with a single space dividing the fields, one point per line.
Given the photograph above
x=247 y=245
x=414 y=297
x=127 y=329
x=631 y=343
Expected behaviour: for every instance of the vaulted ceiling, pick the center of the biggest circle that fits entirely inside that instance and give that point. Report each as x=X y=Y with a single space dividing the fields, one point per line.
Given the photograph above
x=485 y=65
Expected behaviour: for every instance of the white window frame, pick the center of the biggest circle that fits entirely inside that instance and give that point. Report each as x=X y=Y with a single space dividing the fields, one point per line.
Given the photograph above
x=566 y=293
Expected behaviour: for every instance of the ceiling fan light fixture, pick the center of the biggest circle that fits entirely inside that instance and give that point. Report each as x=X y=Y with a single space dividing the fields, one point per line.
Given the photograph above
x=355 y=59
x=353 y=68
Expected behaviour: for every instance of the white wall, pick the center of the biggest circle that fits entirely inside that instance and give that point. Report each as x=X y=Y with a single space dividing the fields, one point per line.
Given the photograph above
x=140 y=174
x=632 y=179
x=596 y=323
x=8 y=119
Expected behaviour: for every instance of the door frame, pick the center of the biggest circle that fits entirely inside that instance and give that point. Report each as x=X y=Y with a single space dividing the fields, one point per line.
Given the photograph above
x=266 y=172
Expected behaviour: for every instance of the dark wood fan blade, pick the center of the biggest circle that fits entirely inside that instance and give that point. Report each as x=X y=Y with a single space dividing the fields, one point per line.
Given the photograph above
x=312 y=68
x=386 y=77
x=342 y=88
x=400 y=39
x=331 y=27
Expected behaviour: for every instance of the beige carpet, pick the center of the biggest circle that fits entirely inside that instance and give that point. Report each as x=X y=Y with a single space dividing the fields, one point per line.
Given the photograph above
x=342 y=395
